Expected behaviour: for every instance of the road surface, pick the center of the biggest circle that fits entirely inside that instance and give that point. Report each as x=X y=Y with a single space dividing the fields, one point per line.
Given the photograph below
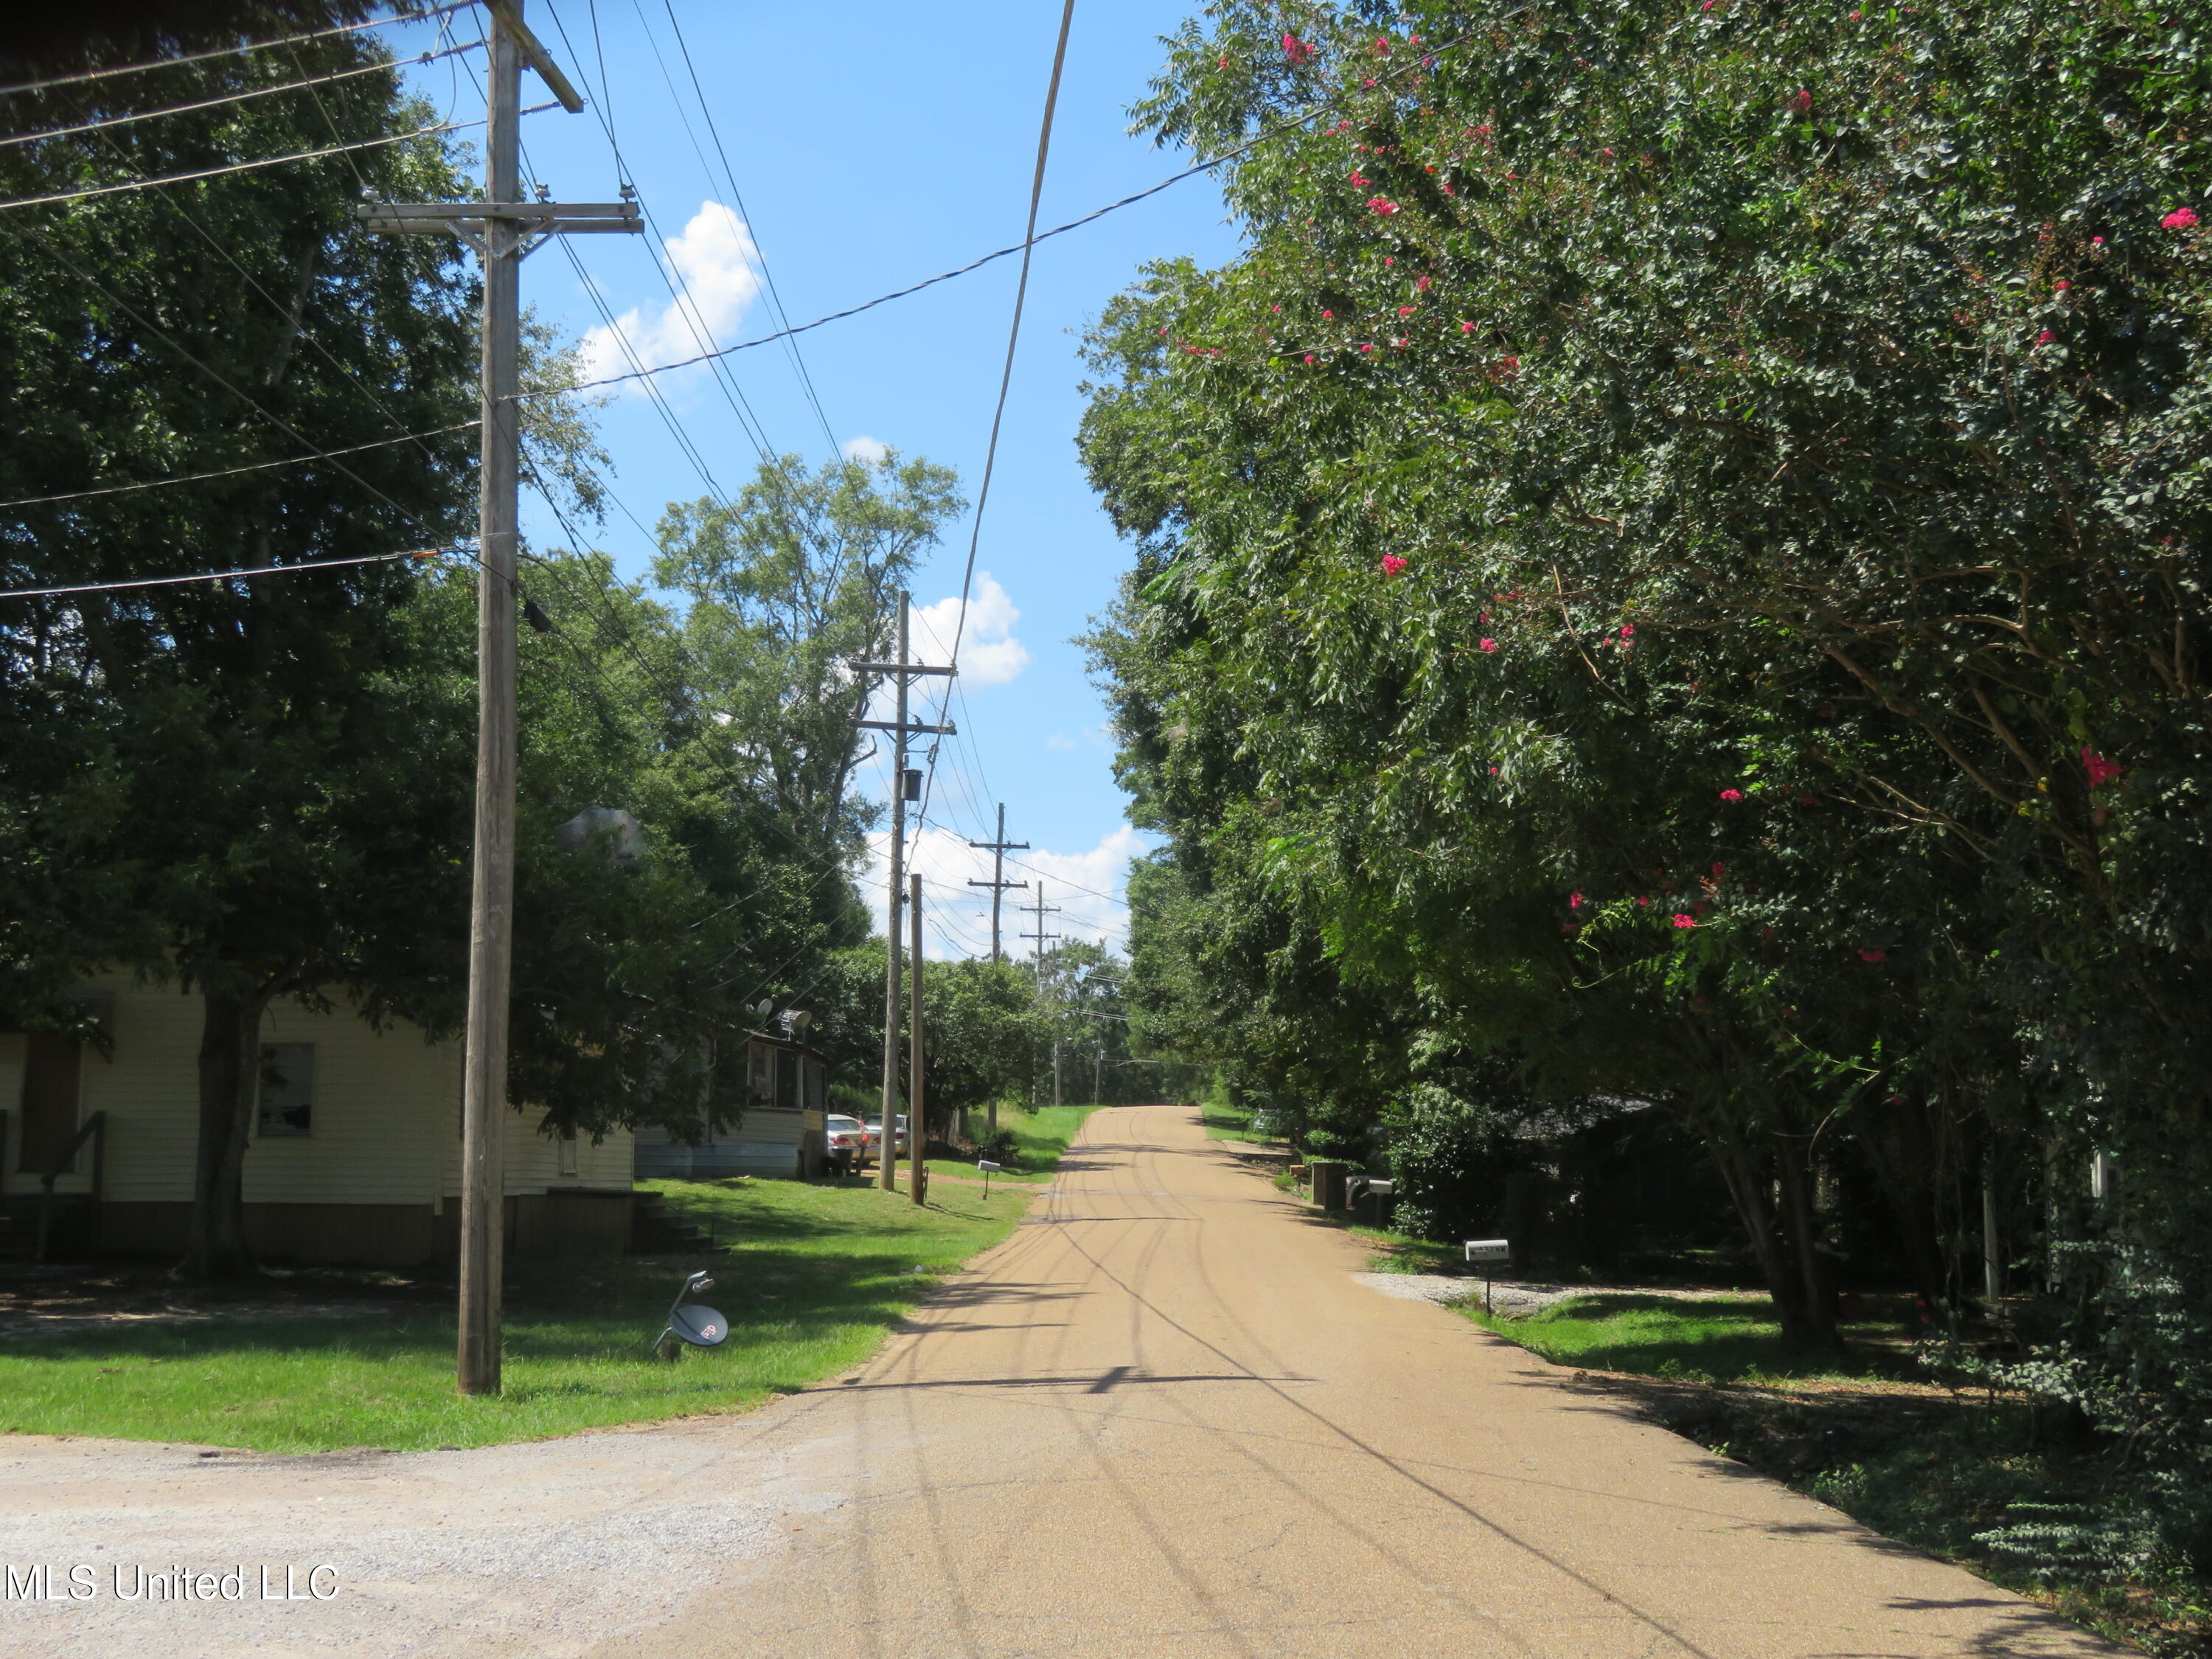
x=1162 y=1419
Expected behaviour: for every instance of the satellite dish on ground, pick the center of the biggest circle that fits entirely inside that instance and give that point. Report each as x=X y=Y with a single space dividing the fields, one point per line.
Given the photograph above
x=699 y=1325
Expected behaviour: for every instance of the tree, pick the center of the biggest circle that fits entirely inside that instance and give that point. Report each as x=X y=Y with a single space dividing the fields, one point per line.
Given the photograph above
x=790 y=584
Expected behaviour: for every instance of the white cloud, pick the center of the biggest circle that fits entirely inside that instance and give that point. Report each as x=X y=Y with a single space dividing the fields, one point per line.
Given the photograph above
x=1060 y=740
x=718 y=273
x=989 y=654
x=957 y=918
x=865 y=448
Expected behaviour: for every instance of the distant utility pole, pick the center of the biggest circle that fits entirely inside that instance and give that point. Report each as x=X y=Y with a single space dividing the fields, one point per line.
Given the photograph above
x=1039 y=934
x=502 y=228
x=906 y=786
x=998 y=884
x=917 y=1110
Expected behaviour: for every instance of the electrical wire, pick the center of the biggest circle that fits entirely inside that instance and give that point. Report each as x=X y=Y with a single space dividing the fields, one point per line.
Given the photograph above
x=235 y=472
x=218 y=575
x=247 y=167
x=738 y=199
x=231 y=98
x=222 y=51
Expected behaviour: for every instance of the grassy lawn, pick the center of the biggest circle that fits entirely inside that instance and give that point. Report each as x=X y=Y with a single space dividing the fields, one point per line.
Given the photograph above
x=811 y=1277
x=1717 y=1339
x=1040 y=1138
x=1225 y=1123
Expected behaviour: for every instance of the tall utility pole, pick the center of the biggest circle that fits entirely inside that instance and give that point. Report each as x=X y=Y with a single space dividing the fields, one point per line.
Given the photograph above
x=503 y=228
x=906 y=786
x=1039 y=934
x=998 y=884
x=917 y=1110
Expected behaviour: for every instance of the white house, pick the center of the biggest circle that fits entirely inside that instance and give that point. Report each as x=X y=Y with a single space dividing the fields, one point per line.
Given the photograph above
x=356 y=1157
x=786 y=1081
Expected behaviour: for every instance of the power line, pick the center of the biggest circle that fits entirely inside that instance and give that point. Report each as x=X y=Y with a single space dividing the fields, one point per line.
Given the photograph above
x=222 y=51
x=218 y=575
x=249 y=167
x=231 y=98
x=235 y=472
x=737 y=197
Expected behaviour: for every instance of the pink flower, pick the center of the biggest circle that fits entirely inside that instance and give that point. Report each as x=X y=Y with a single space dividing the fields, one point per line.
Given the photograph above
x=1802 y=101
x=1164 y=333
x=1388 y=260
x=2045 y=337
x=1866 y=955
x=1224 y=63
x=1359 y=178
x=1643 y=901
x=1296 y=50
x=1405 y=311
x=1326 y=315
x=1628 y=632
x=2096 y=241
x=1466 y=328
x=1382 y=205
x=1310 y=356
x=2062 y=285
x=2100 y=770
x=1366 y=346
x=1488 y=645
x=1731 y=794
x=1493 y=771
x=1382 y=46
x=1574 y=900
x=1423 y=285
x=1392 y=564
x=1682 y=918
x=2180 y=219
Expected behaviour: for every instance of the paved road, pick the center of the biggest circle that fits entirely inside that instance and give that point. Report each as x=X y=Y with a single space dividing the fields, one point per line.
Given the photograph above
x=1162 y=1419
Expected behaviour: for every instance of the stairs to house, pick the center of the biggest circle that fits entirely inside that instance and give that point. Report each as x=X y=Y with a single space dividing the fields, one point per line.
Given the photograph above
x=653 y=1231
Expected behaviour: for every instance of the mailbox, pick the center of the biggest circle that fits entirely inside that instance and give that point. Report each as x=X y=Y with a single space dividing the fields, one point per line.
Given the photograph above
x=1480 y=1250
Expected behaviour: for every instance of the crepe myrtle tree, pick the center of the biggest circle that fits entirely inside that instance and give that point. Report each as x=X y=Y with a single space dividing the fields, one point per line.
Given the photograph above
x=1802 y=417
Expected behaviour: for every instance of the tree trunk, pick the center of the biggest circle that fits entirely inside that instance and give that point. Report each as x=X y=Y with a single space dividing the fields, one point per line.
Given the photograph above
x=1808 y=1319
x=230 y=1060
x=1816 y=1319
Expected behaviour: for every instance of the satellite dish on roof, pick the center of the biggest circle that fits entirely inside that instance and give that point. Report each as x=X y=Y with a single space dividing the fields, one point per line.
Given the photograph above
x=761 y=1008
x=699 y=1325
x=800 y=1020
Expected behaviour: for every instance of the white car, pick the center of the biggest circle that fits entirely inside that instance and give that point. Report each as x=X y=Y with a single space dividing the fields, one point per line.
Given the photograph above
x=848 y=1140
x=876 y=1133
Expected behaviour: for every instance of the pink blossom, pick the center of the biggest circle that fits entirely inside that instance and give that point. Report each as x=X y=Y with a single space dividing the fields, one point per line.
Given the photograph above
x=1382 y=205
x=1224 y=63
x=1382 y=46
x=1802 y=101
x=2180 y=219
x=1326 y=315
x=2096 y=241
x=1392 y=564
x=1574 y=900
x=1643 y=901
x=1493 y=771
x=1866 y=955
x=2100 y=770
x=1466 y=328
x=2062 y=285
x=1296 y=50
x=1388 y=260
x=1488 y=645
x=1359 y=178
x=1405 y=311
x=2045 y=337
x=1366 y=346
x=1628 y=631
x=1423 y=285
x=1164 y=333
x=1310 y=356
x=1731 y=794
x=1682 y=918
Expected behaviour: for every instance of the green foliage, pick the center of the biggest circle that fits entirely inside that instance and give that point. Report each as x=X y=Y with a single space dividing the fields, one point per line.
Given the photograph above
x=1670 y=562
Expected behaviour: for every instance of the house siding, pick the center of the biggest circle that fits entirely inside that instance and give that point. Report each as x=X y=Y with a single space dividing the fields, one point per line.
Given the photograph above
x=373 y=1181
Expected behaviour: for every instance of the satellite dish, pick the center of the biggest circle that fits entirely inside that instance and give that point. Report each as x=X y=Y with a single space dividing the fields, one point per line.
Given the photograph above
x=700 y=1325
x=761 y=1008
x=799 y=1022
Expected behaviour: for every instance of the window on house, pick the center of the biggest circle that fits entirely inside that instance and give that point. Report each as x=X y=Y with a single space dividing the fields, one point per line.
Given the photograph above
x=287 y=1089
x=567 y=1163
x=786 y=1080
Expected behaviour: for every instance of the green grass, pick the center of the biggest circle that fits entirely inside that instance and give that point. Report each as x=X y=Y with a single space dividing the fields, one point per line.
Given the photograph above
x=1226 y=1122
x=1720 y=1340
x=810 y=1276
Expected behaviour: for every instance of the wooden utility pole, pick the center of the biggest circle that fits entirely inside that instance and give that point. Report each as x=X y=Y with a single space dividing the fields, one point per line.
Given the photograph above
x=1041 y=936
x=998 y=884
x=917 y=1109
x=503 y=229
x=905 y=786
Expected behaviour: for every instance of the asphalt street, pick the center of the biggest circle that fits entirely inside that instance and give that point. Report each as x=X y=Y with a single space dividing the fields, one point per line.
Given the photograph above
x=1164 y=1418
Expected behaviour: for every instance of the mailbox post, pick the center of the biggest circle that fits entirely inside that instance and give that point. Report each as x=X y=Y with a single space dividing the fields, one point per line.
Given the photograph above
x=1487 y=1253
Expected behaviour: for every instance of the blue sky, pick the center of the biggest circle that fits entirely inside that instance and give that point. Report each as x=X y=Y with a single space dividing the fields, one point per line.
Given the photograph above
x=898 y=145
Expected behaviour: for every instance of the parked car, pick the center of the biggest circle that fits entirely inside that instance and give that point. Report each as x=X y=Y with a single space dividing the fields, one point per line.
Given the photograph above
x=848 y=1143
x=876 y=1133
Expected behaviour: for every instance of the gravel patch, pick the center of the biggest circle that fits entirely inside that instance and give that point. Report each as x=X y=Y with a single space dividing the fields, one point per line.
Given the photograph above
x=1513 y=1298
